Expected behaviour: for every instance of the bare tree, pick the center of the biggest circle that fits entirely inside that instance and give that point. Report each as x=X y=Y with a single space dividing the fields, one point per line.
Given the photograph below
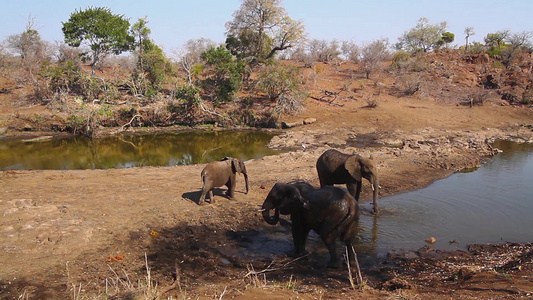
x=373 y=55
x=516 y=44
x=189 y=55
x=322 y=50
x=350 y=51
x=469 y=31
x=31 y=49
x=260 y=29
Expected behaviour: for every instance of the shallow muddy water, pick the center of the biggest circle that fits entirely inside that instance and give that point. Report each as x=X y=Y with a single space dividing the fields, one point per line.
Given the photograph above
x=489 y=205
x=123 y=151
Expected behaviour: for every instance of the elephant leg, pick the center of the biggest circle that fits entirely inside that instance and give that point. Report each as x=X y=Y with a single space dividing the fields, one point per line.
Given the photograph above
x=231 y=188
x=354 y=189
x=329 y=234
x=330 y=242
x=201 y=201
x=299 y=237
x=211 y=196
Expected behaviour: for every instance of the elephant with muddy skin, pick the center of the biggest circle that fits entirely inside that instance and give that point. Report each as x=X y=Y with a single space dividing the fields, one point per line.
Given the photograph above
x=330 y=211
x=335 y=167
x=219 y=173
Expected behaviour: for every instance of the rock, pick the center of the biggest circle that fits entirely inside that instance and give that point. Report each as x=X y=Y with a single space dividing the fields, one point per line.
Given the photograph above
x=286 y=125
x=431 y=240
x=3 y=130
x=394 y=143
x=309 y=121
x=27 y=127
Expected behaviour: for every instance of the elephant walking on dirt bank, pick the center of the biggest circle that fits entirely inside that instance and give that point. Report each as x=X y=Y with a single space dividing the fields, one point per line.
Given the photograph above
x=219 y=173
x=329 y=211
x=335 y=167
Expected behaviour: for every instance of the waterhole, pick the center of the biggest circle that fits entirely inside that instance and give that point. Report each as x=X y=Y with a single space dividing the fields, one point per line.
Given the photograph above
x=123 y=151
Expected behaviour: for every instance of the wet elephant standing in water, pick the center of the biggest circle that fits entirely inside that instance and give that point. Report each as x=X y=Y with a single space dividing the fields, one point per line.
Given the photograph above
x=330 y=211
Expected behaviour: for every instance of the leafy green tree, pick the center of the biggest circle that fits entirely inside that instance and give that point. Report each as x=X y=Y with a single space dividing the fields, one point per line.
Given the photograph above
x=224 y=73
x=423 y=37
x=260 y=29
x=151 y=59
x=99 y=29
x=495 y=42
x=141 y=33
x=496 y=39
x=447 y=38
x=155 y=63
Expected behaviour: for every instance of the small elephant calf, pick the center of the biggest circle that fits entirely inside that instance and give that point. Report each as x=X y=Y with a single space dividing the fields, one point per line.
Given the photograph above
x=219 y=173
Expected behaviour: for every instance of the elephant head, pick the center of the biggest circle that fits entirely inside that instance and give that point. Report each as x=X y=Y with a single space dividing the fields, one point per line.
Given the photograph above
x=283 y=198
x=360 y=167
x=237 y=166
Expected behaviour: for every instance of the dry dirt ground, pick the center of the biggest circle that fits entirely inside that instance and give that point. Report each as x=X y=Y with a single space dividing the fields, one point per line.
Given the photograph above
x=84 y=234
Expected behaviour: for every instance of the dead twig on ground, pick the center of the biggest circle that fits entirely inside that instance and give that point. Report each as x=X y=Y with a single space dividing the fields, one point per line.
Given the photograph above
x=357 y=268
x=269 y=269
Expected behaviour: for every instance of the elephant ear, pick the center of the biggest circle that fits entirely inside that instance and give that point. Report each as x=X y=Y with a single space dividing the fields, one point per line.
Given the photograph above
x=353 y=166
x=292 y=200
x=236 y=165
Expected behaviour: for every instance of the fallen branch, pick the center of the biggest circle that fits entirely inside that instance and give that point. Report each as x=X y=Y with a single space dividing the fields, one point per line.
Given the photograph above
x=212 y=112
x=131 y=121
x=269 y=269
x=175 y=284
x=327 y=101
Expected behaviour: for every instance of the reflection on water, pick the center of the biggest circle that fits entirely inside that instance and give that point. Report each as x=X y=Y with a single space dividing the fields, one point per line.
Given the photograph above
x=492 y=204
x=125 y=151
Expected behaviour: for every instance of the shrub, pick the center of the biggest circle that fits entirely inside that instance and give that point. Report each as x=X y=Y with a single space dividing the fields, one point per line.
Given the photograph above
x=409 y=84
x=276 y=80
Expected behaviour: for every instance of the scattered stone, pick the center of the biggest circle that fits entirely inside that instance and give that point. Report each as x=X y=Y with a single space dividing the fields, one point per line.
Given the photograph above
x=431 y=240
x=396 y=284
x=286 y=124
x=309 y=121
x=27 y=127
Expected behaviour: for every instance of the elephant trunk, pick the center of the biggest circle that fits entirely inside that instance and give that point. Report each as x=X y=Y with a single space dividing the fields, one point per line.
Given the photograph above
x=272 y=220
x=246 y=181
x=375 y=189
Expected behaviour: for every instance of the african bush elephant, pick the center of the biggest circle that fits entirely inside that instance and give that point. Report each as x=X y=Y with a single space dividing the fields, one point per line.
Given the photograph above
x=330 y=211
x=219 y=173
x=335 y=167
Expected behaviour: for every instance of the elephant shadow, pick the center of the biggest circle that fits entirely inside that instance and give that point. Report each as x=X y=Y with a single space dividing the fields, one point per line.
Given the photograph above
x=195 y=196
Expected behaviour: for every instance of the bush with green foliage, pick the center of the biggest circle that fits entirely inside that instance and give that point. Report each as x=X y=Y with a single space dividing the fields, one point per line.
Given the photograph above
x=155 y=64
x=276 y=80
x=224 y=74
